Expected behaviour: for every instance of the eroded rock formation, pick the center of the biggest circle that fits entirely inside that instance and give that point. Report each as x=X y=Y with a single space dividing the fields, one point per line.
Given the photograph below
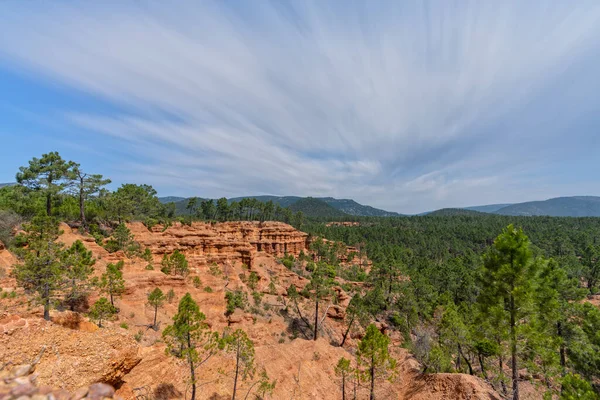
x=205 y=243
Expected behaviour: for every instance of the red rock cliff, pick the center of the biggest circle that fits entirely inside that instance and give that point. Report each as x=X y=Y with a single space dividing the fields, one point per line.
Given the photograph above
x=204 y=243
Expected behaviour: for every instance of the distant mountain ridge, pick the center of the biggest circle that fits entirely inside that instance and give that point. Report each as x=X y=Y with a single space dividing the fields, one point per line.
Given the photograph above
x=312 y=208
x=574 y=206
x=491 y=208
x=449 y=212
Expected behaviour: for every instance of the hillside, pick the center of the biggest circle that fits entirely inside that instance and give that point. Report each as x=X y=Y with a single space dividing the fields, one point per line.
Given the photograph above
x=351 y=207
x=171 y=199
x=448 y=212
x=346 y=206
x=134 y=360
x=283 y=201
x=6 y=184
x=312 y=207
x=490 y=208
x=578 y=206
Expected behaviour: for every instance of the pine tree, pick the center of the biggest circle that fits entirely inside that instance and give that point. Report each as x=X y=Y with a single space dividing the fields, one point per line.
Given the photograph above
x=509 y=278
x=355 y=312
x=190 y=338
x=112 y=282
x=455 y=335
x=41 y=270
x=48 y=175
x=122 y=236
x=319 y=288
x=591 y=267
x=192 y=206
x=156 y=299
x=242 y=348
x=101 y=310
x=79 y=265
x=86 y=185
x=208 y=209
x=222 y=209
x=343 y=370
x=373 y=354
x=179 y=263
x=175 y=263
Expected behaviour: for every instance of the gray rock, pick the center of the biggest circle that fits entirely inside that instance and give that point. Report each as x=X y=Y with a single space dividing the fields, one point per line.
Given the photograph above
x=100 y=390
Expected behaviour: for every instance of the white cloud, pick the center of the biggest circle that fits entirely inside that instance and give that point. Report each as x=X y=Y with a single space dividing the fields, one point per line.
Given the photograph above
x=402 y=105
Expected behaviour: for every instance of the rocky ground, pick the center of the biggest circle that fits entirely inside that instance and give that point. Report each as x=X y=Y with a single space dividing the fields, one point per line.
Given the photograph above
x=130 y=356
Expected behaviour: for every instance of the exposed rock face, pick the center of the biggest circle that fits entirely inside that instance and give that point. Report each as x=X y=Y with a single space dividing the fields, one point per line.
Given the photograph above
x=72 y=358
x=205 y=243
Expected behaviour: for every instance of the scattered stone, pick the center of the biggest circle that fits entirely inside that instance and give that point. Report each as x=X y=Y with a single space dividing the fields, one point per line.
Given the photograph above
x=22 y=370
x=26 y=389
x=100 y=390
x=80 y=393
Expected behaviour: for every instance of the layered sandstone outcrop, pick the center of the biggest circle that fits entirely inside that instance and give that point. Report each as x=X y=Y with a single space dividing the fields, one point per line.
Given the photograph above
x=205 y=243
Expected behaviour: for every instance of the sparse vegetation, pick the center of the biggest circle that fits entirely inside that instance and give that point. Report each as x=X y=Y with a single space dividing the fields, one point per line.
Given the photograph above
x=102 y=310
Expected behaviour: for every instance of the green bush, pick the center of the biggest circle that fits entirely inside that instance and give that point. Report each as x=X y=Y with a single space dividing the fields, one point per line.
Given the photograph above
x=257 y=298
x=237 y=299
x=149 y=267
x=112 y=246
x=208 y=289
x=197 y=282
x=124 y=325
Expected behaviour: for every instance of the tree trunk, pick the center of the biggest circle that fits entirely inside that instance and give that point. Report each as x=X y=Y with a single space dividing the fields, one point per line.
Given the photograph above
x=513 y=349
x=343 y=386
x=237 y=370
x=466 y=360
x=316 y=318
x=347 y=331
x=372 y=370
x=47 y=309
x=502 y=383
x=192 y=371
x=155 y=312
x=48 y=204
x=73 y=295
x=563 y=356
x=482 y=366
x=46 y=302
x=81 y=203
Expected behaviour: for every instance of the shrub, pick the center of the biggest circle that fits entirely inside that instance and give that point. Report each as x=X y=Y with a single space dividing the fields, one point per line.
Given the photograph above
x=138 y=336
x=150 y=222
x=170 y=295
x=237 y=299
x=257 y=298
x=208 y=289
x=149 y=267
x=197 y=282
x=253 y=280
x=147 y=255
x=214 y=270
x=124 y=325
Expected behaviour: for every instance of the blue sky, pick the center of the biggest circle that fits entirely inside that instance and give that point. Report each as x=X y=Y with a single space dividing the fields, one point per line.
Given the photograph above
x=407 y=106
